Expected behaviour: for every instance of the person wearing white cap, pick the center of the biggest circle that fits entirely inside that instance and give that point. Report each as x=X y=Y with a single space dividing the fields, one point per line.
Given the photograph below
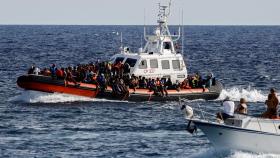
x=228 y=110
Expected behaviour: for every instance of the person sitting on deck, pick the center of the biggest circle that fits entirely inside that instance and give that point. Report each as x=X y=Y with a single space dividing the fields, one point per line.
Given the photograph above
x=159 y=86
x=185 y=84
x=164 y=86
x=94 y=79
x=142 y=82
x=101 y=82
x=177 y=85
x=126 y=68
x=272 y=105
x=242 y=107
x=168 y=84
x=59 y=74
x=118 y=68
x=133 y=83
x=87 y=76
x=153 y=86
x=53 y=70
x=124 y=89
x=37 y=71
x=208 y=81
x=31 y=70
x=70 y=78
x=228 y=110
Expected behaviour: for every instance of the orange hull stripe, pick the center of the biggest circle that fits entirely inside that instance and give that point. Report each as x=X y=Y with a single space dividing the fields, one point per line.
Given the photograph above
x=60 y=89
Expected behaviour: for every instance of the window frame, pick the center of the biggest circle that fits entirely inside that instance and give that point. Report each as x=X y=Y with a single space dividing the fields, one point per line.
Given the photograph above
x=178 y=64
x=162 y=65
x=129 y=63
x=119 y=60
x=152 y=66
x=164 y=45
x=140 y=66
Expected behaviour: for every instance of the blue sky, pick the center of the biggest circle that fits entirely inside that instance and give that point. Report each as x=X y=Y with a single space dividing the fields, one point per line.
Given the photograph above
x=131 y=12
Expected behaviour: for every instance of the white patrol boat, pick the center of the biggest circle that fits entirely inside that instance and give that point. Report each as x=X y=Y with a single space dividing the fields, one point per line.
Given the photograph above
x=159 y=59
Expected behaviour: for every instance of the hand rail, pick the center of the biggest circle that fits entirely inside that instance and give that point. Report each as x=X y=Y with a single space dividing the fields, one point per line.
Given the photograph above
x=276 y=131
x=259 y=124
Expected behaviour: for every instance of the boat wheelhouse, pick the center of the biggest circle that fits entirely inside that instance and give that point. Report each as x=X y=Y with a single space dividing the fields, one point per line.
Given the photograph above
x=160 y=58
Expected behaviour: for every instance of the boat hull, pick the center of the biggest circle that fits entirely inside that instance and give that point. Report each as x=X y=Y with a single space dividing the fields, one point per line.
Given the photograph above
x=47 y=84
x=173 y=95
x=225 y=137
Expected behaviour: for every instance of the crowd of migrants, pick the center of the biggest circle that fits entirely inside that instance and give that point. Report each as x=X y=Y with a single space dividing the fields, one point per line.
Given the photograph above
x=118 y=77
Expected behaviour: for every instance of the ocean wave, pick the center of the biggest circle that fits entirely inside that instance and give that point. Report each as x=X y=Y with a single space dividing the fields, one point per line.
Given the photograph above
x=250 y=94
x=42 y=97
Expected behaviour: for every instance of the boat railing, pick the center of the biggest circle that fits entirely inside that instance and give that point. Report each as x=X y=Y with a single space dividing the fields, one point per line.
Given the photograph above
x=276 y=131
x=260 y=124
x=207 y=116
x=260 y=127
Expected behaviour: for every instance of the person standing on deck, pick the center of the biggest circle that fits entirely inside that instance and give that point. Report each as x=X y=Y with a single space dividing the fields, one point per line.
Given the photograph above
x=272 y=105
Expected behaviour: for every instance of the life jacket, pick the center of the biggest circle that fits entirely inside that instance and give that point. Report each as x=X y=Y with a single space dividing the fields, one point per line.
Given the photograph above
x=59 y=73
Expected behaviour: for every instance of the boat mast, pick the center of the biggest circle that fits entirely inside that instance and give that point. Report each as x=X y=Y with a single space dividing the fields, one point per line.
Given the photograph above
x=182 y=47
x=162 y=19
x=162 y=31
x=121 y=41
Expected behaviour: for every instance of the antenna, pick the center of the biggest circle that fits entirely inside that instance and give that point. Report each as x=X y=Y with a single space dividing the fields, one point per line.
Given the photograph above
x=144 y=16
x=145 y=37
x=121 y=41
x=141 y=41
x=183 y=32
x=169 y=8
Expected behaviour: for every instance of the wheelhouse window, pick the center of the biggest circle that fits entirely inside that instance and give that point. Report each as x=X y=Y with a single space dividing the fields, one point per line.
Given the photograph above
x=165 y=64
x=167 y=45
x=131 y=62
x=176 y=64
x=119 y=59
x=143 y=64
x=154 y=63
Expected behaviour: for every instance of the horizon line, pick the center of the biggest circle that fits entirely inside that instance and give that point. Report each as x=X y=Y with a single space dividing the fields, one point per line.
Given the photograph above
x=138 y=25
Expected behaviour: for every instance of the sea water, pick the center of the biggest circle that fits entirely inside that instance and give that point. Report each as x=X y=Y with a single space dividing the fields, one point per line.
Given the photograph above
x=37 y=124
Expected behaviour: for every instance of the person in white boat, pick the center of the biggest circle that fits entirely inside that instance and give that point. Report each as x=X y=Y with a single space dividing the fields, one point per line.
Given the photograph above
x=228 y=110
x=272 y=105
x=242 y=107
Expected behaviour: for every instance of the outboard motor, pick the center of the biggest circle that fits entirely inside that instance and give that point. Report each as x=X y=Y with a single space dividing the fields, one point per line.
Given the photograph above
x=188 y=111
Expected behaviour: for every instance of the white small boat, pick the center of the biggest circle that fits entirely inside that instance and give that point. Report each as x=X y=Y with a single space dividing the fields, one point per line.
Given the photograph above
x=242 y=132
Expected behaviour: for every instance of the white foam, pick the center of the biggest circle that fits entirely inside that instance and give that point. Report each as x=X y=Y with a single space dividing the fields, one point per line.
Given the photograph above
x=251 y=95
x=211 y=152
x=204 y=153
x=42 y=97
x=240 y=154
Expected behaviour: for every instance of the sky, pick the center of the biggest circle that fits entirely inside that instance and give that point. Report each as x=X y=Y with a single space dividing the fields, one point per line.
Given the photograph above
x=131 y=12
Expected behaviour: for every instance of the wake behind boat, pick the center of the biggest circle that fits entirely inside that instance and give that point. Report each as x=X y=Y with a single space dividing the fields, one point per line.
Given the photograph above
x=156 y=72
